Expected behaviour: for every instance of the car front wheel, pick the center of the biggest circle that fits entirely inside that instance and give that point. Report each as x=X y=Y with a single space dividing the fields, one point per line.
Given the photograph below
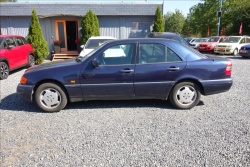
x=185 y=95
x=50 y=97
x=4 y=70
x=31 y=61
x=235 y=52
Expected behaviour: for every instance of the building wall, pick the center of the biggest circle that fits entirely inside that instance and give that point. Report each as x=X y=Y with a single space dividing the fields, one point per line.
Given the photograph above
x=120 y=27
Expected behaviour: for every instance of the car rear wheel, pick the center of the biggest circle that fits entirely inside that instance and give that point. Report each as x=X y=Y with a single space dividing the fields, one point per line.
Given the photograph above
x=185 y=95
x=4 y=70
x=235 y=52
x=31 y=61
x=50 y=97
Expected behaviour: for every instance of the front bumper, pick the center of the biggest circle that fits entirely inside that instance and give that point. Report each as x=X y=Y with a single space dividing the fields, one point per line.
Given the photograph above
x=25 y=91
x=223 y=51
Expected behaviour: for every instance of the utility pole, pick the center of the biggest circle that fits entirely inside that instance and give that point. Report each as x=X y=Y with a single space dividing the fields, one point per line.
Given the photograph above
x=219 y=13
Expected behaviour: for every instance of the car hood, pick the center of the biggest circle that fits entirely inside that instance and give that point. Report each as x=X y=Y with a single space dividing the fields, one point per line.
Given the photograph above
x=208 y=43
x=228 y=44
x=52 y=65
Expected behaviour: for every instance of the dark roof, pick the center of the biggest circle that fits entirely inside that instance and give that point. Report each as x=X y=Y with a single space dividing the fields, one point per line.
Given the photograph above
x=79 y=9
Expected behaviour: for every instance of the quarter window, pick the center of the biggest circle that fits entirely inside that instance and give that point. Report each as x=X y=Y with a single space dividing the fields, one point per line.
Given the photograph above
x=156 y=53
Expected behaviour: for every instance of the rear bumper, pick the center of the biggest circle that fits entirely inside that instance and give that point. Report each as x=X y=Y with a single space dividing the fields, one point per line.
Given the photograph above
x=25 y=91
x=216 y=86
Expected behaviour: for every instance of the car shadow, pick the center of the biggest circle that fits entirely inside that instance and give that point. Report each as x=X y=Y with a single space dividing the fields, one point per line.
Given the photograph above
x=17 y=70
x=15 y=103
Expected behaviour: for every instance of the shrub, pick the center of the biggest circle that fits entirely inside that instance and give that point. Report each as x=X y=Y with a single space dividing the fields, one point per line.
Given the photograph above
x=158 y=23
x=36 y=39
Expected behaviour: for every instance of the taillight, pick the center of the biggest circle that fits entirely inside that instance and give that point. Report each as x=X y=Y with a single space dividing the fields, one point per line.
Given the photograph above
x=228 y=70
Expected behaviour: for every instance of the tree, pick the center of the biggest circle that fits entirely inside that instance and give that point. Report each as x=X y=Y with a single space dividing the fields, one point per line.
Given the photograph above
x=158 y=22
x=36 y=39
x=174 y=21
x=90 y=26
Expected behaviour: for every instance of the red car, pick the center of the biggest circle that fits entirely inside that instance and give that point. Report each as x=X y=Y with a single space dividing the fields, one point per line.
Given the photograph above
x=15 y=52
x=208 y=46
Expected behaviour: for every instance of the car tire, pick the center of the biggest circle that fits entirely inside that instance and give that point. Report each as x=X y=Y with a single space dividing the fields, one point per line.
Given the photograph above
x=31 y=61
x=4 y=70
x=235 y=52
x=185 y=95
x=50 y=97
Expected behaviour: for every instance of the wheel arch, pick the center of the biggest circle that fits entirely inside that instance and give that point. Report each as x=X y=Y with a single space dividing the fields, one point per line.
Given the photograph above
x=190 y=80
x=6 y=61
x=50 y=81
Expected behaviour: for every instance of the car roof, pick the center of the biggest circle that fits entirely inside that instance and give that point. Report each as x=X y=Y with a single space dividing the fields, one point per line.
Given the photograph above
x=102 y=37
x=156 y=40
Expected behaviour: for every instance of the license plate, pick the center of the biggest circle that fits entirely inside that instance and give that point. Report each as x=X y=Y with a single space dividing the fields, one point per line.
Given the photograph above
x=220 y=48
x=243 y=51
x=202 y=47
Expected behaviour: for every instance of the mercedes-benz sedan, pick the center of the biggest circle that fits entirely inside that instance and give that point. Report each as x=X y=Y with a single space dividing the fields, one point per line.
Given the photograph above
x=147 y=69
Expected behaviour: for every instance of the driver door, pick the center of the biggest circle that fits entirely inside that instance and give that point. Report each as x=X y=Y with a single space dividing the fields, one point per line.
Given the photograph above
x=113 y=76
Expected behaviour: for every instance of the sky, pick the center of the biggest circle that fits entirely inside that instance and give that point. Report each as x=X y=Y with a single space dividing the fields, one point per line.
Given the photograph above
x=169 y=5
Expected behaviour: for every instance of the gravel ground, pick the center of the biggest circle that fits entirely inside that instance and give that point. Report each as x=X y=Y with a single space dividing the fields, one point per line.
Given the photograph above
x=129 y=133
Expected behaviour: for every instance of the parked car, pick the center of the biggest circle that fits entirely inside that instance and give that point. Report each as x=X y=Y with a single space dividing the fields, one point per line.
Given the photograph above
x=208 y=46
x=168 y=35
x=188 y=39
x=231 y=45
x=245 y=51
x=150 y=69
x=15 y=52
x=93 y=42
x=195 y=43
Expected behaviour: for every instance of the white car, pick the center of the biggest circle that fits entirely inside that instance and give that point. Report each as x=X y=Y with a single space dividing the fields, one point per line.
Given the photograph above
x=194 y=44
x=231 y=45
x=93 y=43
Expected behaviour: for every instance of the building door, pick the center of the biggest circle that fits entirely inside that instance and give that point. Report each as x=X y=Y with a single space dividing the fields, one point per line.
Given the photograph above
x=66 y=31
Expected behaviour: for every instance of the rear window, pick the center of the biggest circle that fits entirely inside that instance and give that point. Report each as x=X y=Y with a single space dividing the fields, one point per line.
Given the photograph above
x=187 y=52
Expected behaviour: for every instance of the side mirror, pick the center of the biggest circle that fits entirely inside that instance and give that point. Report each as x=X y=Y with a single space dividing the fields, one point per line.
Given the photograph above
x=82 y=46
x=95 y=63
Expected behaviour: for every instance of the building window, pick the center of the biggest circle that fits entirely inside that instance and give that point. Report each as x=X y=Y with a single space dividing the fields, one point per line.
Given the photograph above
x=139 y=29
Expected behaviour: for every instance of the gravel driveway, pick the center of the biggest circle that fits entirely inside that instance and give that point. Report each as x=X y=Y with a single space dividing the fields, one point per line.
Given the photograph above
x=129 y=133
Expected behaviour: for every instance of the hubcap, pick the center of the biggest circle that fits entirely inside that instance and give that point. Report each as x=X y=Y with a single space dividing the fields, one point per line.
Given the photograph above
x=32 y=61
x=50 y=98
x=186 y=95
x=4 y=70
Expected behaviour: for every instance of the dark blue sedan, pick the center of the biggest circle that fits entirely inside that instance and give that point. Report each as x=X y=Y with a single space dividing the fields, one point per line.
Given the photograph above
x=245 y=51
x=128 y=69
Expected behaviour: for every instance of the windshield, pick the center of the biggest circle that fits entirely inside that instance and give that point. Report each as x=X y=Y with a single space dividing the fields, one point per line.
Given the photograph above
x=1 y=39
x=231 y=40
x=213 y=39
x=94 y=43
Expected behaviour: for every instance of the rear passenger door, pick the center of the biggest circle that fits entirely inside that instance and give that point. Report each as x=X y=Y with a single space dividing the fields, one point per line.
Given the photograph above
x=113 y=77
x=158 y=66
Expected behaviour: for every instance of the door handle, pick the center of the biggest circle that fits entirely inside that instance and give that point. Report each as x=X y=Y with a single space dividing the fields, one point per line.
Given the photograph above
x=127 y=71
x=173 y=68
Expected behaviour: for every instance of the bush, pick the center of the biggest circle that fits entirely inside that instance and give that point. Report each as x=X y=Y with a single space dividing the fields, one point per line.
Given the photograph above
x=36 y=39
x=158 y=23
x=90 y=26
